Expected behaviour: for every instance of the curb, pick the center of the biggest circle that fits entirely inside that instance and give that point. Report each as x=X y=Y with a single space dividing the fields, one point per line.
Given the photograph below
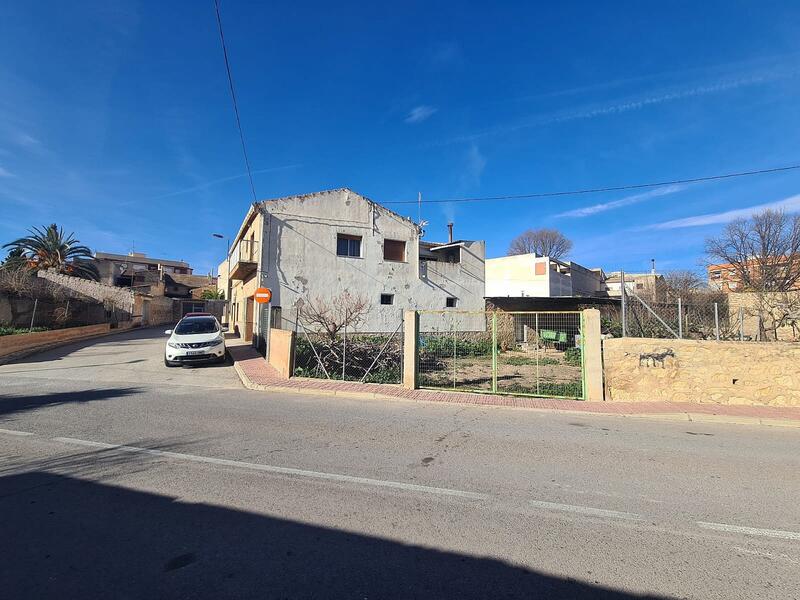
x=687 y=417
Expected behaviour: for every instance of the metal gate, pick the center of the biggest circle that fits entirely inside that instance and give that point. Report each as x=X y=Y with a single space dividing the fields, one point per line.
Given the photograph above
x=523 y=353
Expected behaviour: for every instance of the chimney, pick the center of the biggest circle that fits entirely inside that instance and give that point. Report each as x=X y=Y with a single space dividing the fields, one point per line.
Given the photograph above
x=652 y=266
x=450 y=233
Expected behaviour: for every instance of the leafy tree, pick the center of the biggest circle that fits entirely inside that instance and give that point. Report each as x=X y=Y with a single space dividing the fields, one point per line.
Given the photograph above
x=14 y=260
x=50 y=248
x=209 y=294
x=544 y=242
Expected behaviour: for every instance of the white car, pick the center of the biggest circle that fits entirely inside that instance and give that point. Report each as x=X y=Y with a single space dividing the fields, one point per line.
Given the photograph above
x=198 y=337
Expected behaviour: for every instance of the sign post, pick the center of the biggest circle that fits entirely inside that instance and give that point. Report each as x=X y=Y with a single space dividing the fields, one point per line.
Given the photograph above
x=264 y=296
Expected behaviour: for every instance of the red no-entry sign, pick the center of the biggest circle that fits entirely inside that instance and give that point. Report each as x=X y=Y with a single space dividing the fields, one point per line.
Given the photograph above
x=263 y=295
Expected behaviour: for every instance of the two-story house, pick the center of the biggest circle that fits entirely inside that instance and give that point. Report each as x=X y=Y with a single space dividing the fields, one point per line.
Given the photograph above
x=316 y=246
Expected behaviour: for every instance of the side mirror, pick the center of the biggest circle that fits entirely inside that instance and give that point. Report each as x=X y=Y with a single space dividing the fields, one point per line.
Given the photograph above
x=168 y=332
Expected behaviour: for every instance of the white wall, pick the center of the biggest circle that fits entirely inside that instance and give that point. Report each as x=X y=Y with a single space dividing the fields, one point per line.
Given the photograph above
x=514 y=276
x=299 y=260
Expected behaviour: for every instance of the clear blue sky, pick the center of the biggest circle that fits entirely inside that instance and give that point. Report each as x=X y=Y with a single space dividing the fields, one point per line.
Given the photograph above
x=116 y=121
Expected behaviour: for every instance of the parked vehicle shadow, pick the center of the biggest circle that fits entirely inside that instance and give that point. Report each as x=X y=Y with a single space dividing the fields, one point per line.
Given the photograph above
x=64 y=537
x=13 y=404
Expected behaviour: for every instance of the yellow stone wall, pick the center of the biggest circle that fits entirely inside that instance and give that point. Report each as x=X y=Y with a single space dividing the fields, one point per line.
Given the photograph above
x=701 y=371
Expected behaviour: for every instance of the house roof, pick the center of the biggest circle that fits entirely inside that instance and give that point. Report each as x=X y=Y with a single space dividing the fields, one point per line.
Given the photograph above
x=140 y=259
x=349 y=191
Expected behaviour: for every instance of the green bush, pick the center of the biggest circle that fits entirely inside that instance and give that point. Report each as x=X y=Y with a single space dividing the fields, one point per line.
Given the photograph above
x=442 y=346
x=520 y=361
x=572 y=356
x=6 y=330
x=610 y=327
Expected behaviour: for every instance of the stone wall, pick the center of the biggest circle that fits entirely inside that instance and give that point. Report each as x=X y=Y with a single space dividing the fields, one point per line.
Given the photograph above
x=701 y=371
x=122 y=298
x=783 y=306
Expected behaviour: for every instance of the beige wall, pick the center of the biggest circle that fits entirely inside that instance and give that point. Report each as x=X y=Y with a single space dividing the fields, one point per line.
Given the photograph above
x=650 y=370
x=777 y=305
x=241 y=290
x=281 y=351
x=11 y=344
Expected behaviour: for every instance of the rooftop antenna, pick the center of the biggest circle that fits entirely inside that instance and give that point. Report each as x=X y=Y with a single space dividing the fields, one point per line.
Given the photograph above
x=652 y=266
x=419 y=208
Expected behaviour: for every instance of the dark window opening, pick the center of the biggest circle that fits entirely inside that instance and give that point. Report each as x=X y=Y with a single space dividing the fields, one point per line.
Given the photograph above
x=451 y=302
x=451 y=255
x=348 y=245
x=394 y=250
x=387 y=298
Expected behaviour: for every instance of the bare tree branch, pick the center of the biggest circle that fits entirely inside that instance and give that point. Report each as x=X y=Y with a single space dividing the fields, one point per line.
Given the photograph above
x=543 y=242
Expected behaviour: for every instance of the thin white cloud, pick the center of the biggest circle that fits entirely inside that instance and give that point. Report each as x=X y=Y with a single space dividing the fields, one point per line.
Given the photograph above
x=26 y=140
x=208 y=184
x=636 y=103
x=475 y=164
x=588 y=211
x=420 y=113
x=790 y=204
x=5 y=173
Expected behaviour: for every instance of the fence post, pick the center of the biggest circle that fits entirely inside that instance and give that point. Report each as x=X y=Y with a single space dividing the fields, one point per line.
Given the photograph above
x=410 y=349
x=680 y=319
x=494 y=352
x=592 y=355
x=454 y=354
x=624 y=304
x=741 y=324
x=33 y=316
x=716 y=320
x=344 y=349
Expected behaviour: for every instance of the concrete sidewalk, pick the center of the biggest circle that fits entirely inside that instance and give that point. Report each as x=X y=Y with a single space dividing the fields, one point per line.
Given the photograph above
x=257 y=374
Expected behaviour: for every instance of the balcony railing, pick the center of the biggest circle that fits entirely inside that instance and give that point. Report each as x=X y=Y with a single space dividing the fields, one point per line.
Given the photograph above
x=244 y=259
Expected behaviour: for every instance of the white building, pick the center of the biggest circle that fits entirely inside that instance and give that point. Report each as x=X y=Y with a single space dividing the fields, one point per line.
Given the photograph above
x=317 y=246
x=529 y=275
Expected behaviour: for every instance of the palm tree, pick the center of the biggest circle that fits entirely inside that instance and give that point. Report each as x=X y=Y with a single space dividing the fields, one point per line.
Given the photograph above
x=49 y=248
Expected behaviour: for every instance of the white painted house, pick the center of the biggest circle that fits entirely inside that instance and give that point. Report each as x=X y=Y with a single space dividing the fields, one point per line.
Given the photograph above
x=530 y=275
x=316 y=246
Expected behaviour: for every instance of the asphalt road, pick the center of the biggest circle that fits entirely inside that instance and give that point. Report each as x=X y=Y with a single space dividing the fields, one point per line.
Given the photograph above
x=120 y=478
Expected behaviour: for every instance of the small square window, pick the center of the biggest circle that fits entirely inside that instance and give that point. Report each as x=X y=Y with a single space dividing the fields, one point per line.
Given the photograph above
x=451 y=302
x=387 y=299
x=348 y=245
x=394 y=250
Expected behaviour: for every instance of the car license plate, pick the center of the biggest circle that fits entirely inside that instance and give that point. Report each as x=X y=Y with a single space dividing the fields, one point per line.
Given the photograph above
x=193 y=352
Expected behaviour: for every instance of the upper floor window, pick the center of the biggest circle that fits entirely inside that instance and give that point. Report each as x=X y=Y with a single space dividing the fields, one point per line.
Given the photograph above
x=387 y=298
x=451 y=302
x=394 y=250
x=348 y=245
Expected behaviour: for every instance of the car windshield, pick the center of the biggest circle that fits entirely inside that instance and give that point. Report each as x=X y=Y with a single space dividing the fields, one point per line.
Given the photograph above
x=196 y=325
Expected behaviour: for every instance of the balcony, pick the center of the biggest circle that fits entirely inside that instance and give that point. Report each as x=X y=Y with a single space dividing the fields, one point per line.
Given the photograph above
x=243 y=259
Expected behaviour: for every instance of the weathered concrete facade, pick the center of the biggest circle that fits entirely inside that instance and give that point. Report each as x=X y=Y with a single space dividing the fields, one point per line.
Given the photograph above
x=648 y=370
x=297 y=240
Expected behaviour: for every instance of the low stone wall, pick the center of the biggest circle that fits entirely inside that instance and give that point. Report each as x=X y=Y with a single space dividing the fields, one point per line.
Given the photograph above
x=13 y=344
x=701 y=371
x=281 y=351
x=120 y=297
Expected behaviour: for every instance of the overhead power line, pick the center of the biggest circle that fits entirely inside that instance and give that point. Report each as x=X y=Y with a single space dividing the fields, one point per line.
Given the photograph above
x=235 y=104
x=617 y=188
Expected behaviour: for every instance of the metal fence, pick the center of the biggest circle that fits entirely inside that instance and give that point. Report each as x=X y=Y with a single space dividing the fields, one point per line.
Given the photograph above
x=525 y=353
x=347 y=354
x=702 y=315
